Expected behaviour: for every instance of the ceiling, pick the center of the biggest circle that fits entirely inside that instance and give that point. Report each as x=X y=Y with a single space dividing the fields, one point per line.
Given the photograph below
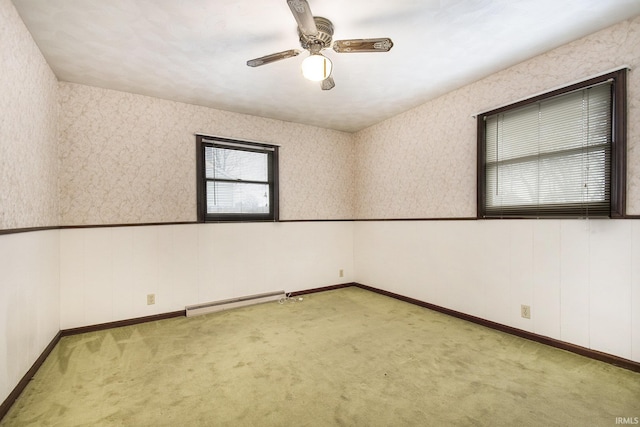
x=195 y=51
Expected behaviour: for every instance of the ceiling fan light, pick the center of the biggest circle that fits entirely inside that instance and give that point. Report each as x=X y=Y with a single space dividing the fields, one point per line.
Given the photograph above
x=316 y=67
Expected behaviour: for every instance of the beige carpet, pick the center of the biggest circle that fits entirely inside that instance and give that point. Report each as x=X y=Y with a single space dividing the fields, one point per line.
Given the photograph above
x=339 y=358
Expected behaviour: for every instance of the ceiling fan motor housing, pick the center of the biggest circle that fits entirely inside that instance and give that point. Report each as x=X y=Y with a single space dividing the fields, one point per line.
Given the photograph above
x=321 y=40
x=316 y=34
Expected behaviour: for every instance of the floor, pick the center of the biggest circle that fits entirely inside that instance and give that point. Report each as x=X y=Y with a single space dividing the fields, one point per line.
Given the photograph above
x=347 y=357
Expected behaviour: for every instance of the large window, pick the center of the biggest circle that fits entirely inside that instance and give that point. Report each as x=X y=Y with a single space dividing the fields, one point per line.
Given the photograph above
x=237 y=180
x=561 y=154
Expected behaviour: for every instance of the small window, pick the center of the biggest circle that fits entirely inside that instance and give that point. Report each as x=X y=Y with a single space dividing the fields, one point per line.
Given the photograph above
x=237 y=180
x=562 y=154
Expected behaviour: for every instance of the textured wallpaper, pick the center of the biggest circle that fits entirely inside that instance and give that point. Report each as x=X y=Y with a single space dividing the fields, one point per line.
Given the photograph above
x=422 y=163
x=28 y=129
x=128 y=158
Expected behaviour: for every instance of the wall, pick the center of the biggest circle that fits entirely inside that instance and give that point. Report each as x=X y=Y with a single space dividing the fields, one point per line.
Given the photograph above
x=28 y=129
x=29 y=301
x=129 y=158
x=29 y=262
x=422 y=163
x=581 y=278
x=106 y=273
x=76 y=155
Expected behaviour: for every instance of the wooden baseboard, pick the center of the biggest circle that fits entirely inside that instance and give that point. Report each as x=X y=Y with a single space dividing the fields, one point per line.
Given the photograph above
x=19 y=388
x=322 y=289
x=121 y=323
x=583 y=351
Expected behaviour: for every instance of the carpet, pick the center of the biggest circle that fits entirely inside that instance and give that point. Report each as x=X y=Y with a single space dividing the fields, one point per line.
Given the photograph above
x=347 y=357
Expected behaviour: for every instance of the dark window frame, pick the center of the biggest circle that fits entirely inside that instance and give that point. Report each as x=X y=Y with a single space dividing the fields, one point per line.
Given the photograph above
x=270 y=150
x=618 y=145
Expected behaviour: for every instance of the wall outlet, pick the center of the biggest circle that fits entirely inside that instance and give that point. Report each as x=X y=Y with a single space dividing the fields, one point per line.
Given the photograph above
x=151 y=299
x=341 y=273
x=525 y=311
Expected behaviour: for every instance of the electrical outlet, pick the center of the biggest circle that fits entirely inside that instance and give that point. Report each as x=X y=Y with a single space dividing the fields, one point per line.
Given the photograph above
x=341 y=273
x=525 y=311
x=151 y=299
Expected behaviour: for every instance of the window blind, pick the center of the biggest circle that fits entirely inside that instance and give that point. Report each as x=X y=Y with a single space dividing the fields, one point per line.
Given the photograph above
x=552 y=157
x=237 y=180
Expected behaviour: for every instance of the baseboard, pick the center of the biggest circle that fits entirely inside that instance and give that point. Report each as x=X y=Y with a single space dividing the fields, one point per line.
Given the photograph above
x=321 y=289
x=583 y=351
x=121 y=323
x=19 y=388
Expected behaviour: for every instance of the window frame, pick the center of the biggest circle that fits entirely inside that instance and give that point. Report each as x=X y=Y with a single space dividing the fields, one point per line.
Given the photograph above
x=203 y=141
x=618 y=145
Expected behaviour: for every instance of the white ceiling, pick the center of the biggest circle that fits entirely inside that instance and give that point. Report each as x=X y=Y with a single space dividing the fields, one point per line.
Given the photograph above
x=195 y=51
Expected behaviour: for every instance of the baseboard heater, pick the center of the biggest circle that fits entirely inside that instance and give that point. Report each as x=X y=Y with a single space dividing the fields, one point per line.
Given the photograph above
x=212 y=307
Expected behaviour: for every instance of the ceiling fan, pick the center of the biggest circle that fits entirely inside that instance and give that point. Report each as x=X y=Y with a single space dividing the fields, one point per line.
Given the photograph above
x=315 y=35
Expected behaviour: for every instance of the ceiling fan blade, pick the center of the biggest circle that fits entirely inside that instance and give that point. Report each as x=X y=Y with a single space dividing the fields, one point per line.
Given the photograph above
x=363 y=45
x=273 y=58
x=328 y=83
x=304 y=17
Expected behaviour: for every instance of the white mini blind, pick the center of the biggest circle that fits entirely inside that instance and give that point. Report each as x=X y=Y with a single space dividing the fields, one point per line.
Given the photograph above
x=551 y=158
x=237 y=180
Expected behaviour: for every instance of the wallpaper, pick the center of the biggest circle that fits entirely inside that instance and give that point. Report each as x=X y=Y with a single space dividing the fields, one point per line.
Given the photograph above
x=128 y=158
x=125 y=158
x=422 y=163
x=28 y=129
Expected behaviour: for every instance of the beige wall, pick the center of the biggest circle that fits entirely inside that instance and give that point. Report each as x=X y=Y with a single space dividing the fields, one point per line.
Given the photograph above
x=28 y=129
x=107 y=272
x=580 y=277
x=29 y=262
x=422 y=163
x=128 y=158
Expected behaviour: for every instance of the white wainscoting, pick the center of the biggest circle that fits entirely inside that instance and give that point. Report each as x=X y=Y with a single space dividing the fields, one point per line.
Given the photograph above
x=581 y=278
x=106 y=273
x=29 y=301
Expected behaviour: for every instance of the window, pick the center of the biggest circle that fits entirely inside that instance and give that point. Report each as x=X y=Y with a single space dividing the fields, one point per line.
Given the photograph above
x=561 y=154
x=237 y=180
